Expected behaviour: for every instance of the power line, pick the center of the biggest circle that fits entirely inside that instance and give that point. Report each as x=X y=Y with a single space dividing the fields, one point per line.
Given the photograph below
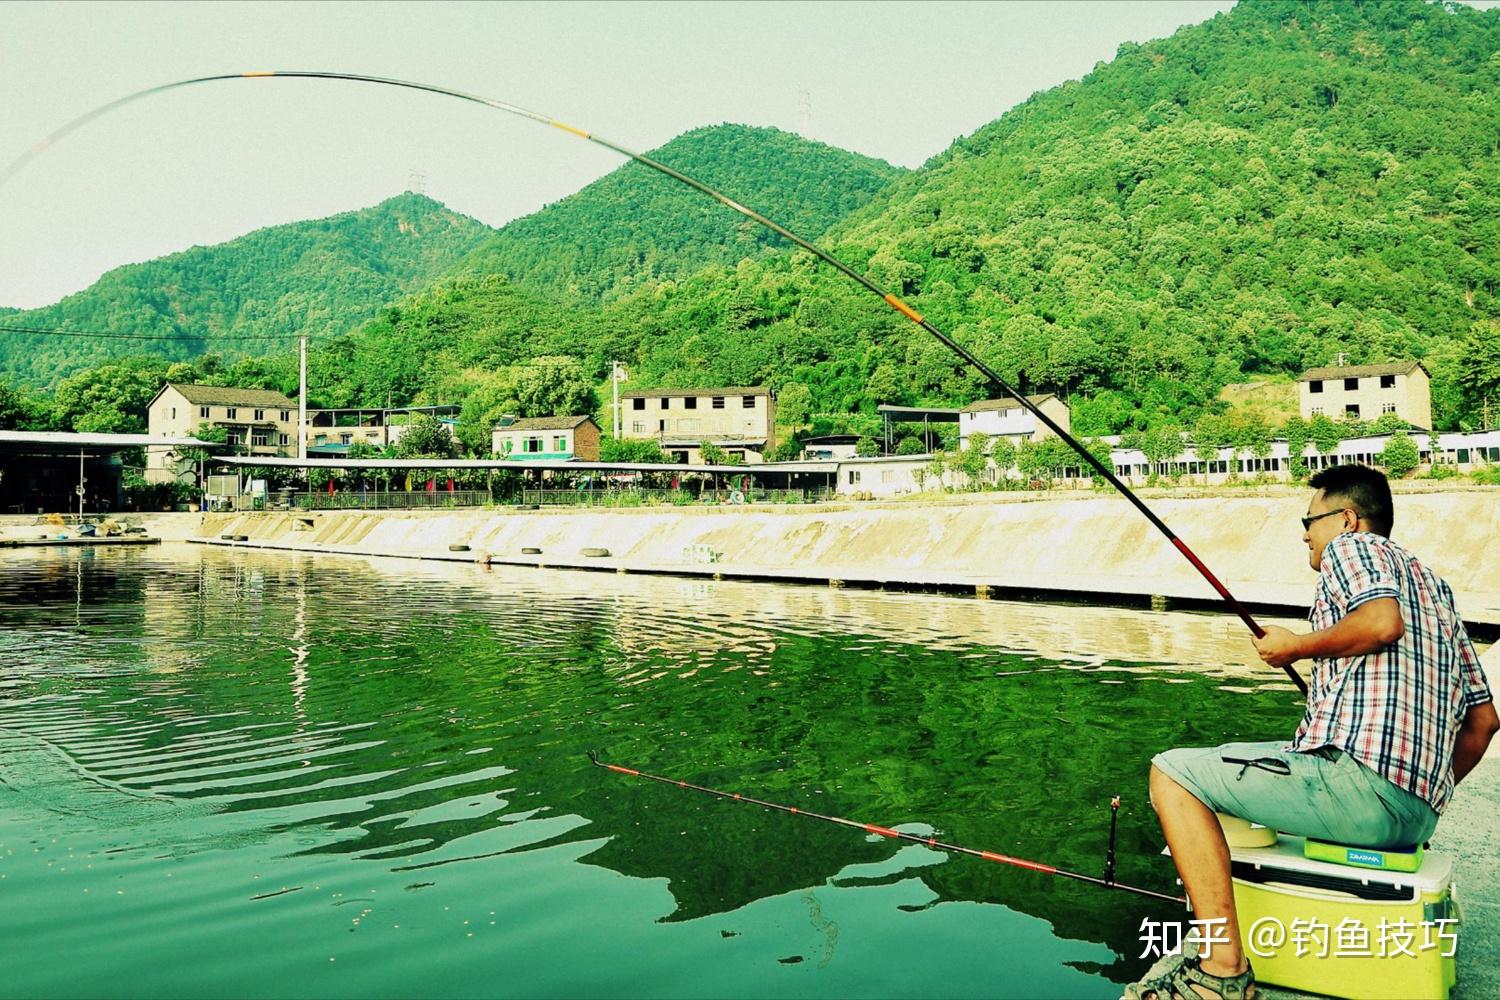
x=39 y=331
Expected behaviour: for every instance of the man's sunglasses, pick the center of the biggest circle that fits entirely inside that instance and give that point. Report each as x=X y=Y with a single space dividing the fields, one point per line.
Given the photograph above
x=1307 y=521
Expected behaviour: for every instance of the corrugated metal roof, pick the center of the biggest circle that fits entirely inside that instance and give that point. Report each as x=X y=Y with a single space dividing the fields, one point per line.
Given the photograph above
x=63 y=439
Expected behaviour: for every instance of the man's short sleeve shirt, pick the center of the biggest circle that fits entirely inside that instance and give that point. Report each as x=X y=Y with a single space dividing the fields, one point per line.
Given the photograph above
x=1398 y=710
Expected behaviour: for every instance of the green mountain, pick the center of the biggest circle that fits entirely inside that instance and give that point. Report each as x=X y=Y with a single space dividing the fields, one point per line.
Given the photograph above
x=1256 y=194
x=1250 y=197
x=319 y=277
x=635 y=226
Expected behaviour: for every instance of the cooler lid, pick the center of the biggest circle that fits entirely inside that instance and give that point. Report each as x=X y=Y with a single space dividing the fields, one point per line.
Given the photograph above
x=1286 y=855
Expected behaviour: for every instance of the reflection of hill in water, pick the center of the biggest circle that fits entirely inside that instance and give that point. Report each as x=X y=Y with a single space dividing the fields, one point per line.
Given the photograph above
x=431 y=716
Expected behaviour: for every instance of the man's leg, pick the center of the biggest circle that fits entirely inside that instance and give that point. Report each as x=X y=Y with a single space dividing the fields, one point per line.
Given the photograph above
x=1202 y=858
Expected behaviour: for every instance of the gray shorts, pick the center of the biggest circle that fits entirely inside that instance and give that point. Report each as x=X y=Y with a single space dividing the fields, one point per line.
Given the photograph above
x=1323 y=793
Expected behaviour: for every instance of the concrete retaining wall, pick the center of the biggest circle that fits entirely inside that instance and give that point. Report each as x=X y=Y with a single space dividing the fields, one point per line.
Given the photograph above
x=1083 y=544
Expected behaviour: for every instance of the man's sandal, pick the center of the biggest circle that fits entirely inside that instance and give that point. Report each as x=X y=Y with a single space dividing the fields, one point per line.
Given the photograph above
x=1177 y=980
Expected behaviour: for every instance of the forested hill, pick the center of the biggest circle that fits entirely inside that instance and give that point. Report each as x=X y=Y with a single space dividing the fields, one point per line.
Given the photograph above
x=1245 y=199
x=1251 y=196
x=635 y=226
x=322 y=276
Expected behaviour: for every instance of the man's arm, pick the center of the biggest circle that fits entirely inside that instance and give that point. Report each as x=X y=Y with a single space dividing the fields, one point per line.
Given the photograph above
x=1480 y=725
x=1369 y=628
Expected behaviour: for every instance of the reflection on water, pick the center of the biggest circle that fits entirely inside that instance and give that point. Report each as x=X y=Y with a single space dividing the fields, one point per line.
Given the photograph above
x=328 y=776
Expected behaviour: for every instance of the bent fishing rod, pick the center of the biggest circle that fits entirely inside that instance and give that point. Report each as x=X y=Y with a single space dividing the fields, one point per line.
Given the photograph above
x=892 y=300
x=1106 y=882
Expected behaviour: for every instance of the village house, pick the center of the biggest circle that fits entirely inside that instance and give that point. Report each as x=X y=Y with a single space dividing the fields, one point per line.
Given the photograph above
x=256 y=422
x=741 y=421
x=1367 y=392
x=1007 y=418
x=552 y=438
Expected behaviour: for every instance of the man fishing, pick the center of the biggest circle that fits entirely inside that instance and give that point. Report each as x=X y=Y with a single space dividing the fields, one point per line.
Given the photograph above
x=1398 y=713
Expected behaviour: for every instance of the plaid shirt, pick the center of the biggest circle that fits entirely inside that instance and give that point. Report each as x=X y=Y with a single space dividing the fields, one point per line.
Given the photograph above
x=1399 y=710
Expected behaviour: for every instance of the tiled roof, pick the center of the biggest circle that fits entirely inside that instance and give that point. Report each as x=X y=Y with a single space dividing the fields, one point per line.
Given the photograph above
x=734 y=390
x=228 y=395
x=1357 y=371
x=1006 y=403
x=544 y=424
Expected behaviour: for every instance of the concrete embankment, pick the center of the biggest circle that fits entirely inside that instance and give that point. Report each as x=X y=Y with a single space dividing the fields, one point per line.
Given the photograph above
x=1085 y=545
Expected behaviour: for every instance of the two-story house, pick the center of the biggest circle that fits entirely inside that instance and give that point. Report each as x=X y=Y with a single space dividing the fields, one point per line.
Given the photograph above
x=555 y=438
x=256 y=421
x=1367 y=392
x=741 y=421
x=1007 y=418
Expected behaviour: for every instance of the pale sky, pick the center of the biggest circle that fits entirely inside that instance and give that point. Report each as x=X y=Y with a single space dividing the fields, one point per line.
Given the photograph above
x=202 y=165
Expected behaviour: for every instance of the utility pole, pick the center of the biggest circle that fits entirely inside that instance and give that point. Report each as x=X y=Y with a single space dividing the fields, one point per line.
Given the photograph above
x=80 y=486
x=302 y=398
x=617 y=374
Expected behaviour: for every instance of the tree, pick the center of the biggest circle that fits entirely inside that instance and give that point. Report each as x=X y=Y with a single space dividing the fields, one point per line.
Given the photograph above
x=1003 y=455
x=427 y=437
x=630 y=450
x=974 y=460
x=1297 y=434
x=867 y=447
x=712 y=454
x=909 y=446
x=937 y=468
x=554 y=386
x=793 y=405
x=111 y=399
x=1325 y=434
x=1399 y=456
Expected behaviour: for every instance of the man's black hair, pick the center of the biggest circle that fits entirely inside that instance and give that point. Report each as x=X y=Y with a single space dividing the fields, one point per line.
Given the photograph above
x=1359 y=487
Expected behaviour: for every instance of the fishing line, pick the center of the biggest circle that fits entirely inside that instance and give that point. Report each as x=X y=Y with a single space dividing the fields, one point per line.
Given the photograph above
x=891 y=299
x=1107 y=882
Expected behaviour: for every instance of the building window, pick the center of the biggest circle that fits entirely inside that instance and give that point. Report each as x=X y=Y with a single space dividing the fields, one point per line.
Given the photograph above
x=231 y=439
x=1317 y=411
x=1352 y=410
x=346 y=439
x=853 y=476
x=174 y=413
x=286 y=415
x=718 y=402
x=661 y=426
x=260 y=439
x=639 y=403
x=283 y=442
x=1387 y=407
x=1387 y=381
x=230 y=413
x=559 y=443
x=260 y=414
x=532 y=446
x=1463 y=456
x=748 y=402
x=1351 y=384
x=203 y=412
x=1316 y=385
x=690 y=403
x=638 y=427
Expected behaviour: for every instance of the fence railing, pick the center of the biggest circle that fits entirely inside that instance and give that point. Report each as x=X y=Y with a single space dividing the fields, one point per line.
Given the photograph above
x=371 y=500
x=680 y=498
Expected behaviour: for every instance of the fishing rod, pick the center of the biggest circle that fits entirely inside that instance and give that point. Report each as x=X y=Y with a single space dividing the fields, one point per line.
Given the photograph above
x=892 y=300
x=1106 y=882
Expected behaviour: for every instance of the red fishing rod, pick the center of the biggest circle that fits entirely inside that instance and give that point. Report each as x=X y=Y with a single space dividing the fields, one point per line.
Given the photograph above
x=1107 y=882
x=889 y=298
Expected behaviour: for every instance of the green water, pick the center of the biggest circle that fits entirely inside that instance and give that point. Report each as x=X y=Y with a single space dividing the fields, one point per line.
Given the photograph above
x=242 y=774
